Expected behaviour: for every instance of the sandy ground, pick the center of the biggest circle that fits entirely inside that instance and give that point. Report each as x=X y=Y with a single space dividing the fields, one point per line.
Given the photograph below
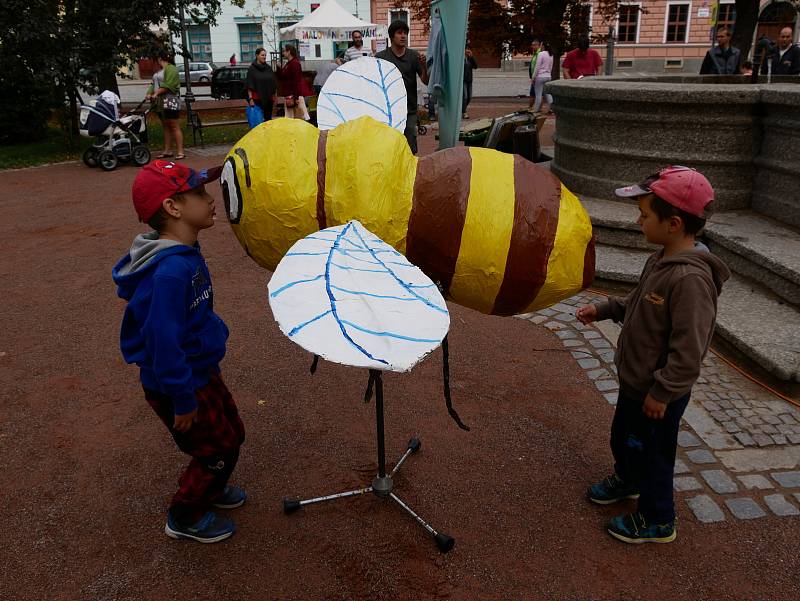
x=88 y=469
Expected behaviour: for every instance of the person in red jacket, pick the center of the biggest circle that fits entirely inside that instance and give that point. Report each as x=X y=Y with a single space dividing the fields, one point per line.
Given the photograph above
x=294 y=86
x=582 y=62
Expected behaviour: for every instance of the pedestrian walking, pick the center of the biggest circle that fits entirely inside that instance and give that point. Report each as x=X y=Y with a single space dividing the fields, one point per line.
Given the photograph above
x=411 y=64
x=470 y=64
x=540 y=72
x=261 y=85
x=722 y=59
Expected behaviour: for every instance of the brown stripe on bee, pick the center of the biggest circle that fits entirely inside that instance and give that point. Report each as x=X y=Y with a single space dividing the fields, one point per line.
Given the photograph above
x=321 y=168
x=438 y=212
x=588 y=264
x=537 y=197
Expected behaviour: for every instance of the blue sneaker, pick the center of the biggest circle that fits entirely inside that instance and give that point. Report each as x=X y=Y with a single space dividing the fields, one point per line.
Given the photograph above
x=632 y=528
x=209 y=529
x=610 y=490
x=231 y=498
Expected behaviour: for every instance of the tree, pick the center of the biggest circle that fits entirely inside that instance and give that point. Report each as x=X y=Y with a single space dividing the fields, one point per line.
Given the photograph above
x=745 y=25
x=558 y=23
x=66 y=45
x=268 y=12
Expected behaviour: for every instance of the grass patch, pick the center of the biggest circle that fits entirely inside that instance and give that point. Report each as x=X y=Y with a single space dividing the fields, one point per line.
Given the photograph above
x=55 y=148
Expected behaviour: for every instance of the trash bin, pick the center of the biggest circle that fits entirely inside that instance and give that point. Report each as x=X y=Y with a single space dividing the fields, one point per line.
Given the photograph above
x=526 y=142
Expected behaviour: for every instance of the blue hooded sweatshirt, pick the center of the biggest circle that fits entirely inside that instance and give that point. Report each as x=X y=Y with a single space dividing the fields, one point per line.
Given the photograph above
x=169 y=328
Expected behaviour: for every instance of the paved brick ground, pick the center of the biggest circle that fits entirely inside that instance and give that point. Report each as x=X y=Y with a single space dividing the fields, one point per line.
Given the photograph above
x=739 y=445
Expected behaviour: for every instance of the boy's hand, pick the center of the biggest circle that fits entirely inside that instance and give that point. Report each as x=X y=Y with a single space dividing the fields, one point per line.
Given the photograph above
x=653 y=408
x=587 y=314
x=185 y=421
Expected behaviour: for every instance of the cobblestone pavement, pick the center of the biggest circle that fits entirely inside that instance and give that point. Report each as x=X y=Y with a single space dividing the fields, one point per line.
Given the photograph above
x=739 y=444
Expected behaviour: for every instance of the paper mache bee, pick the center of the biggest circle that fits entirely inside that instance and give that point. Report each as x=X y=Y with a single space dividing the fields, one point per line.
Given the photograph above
x=499 y=234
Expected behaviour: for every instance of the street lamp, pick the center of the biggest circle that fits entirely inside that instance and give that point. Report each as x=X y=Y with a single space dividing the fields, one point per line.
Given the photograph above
x=188 y=97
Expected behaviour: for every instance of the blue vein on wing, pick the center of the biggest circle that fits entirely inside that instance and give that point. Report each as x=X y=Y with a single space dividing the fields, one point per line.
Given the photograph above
x=332 y=298
x=297 y=328
x=389 y=334
x=353 y=98
x=401 y=282
x=333 y=105
x=295 y=283
x=385 y=94
x=362 y=293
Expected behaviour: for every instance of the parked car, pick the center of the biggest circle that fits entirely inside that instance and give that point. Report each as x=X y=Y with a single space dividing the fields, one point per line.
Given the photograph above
x=228 y=83
x=198 y=72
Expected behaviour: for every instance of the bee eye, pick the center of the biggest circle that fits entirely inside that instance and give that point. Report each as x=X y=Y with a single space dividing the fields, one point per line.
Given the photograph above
x=231 y=193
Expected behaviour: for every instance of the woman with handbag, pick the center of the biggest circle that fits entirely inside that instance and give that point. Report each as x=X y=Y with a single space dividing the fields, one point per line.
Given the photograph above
x=261 y=85
x=165 y=93
x=294 y=85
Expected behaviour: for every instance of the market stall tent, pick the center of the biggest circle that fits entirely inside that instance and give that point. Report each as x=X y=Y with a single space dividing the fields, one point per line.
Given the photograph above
x=327 y=30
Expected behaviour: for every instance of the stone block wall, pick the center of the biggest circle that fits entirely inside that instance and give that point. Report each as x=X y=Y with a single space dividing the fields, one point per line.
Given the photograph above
x=743 y=137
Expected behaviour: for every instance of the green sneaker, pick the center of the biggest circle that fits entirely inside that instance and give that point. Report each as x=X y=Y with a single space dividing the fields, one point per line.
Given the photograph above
x=610 y=490
x=632 y=528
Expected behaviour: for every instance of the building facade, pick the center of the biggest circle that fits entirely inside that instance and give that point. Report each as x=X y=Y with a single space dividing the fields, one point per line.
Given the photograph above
x=652 y=36
x=239 y=31
x=667 y=36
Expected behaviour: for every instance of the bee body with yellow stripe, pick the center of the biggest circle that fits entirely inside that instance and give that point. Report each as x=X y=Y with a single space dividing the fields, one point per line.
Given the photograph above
x=500 y=234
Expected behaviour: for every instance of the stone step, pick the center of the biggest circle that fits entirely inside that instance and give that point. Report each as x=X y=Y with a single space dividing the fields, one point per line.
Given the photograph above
x=752 y=245
x=750 y=317
x=760 y=248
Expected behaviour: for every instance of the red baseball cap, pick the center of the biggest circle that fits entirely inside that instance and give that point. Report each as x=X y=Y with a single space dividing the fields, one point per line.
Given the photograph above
x=161 y=179
x=682 y=187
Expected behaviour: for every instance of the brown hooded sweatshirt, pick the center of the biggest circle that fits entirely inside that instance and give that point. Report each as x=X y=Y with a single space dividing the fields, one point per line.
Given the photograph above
x=668 y=322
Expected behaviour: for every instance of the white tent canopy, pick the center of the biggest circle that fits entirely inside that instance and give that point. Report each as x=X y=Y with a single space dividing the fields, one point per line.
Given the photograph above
x=331 y=22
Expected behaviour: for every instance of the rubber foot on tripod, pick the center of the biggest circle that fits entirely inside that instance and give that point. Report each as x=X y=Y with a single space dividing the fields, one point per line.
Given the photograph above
x=414 y=445
x=444 y=543
x=290 y=506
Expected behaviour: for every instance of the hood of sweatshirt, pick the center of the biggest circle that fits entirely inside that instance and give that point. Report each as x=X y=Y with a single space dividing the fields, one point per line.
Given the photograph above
x=701 y=258
x=146 y=252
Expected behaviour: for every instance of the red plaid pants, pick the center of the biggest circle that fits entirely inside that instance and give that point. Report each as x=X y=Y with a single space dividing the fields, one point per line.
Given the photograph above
x=213 y=442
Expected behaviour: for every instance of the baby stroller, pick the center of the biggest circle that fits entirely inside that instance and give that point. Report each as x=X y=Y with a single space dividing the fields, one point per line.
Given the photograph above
x=116 y=138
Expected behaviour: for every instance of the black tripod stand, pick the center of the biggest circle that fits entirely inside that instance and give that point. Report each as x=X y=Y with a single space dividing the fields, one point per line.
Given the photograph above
x=382 y=484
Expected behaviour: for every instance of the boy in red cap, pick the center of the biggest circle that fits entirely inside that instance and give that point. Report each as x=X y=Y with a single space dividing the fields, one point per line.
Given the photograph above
x=668 y=321
x=171 y=332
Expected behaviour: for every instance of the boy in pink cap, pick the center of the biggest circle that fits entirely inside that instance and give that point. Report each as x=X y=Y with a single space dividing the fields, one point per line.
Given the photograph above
x=668 y=321
x=171 y=332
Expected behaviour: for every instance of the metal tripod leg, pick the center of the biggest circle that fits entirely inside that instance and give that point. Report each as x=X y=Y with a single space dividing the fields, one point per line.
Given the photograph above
x=292 y=505
x=382 y=485
x=443 y=542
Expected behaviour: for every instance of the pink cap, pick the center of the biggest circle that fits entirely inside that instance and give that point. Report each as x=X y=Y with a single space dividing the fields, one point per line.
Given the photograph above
x=682 y=187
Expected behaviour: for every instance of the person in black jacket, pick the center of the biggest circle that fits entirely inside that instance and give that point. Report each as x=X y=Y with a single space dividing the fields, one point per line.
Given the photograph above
x=786 y=60
x=722 y=59
x=469 y=65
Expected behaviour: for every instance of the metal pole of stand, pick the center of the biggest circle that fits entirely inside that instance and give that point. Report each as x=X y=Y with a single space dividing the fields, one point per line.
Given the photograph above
x=379 y=419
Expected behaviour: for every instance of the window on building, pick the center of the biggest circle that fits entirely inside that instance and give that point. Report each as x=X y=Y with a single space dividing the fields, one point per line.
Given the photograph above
x=628 y=29
x=199 y=42
x=250 y=38
x=401 y=14
x=726 y=15
x=677 y=23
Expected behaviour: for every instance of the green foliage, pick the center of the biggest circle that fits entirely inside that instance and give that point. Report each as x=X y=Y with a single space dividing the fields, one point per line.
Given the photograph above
x=50 y=49
x=51 y=147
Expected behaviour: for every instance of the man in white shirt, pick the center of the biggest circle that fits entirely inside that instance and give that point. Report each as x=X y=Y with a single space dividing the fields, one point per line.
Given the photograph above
x=357 y=50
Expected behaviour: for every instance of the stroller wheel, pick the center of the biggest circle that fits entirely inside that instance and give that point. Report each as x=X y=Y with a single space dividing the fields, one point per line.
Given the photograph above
x=422 y=130
x=90 y=157
x=108 y=160
x=141 y=155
